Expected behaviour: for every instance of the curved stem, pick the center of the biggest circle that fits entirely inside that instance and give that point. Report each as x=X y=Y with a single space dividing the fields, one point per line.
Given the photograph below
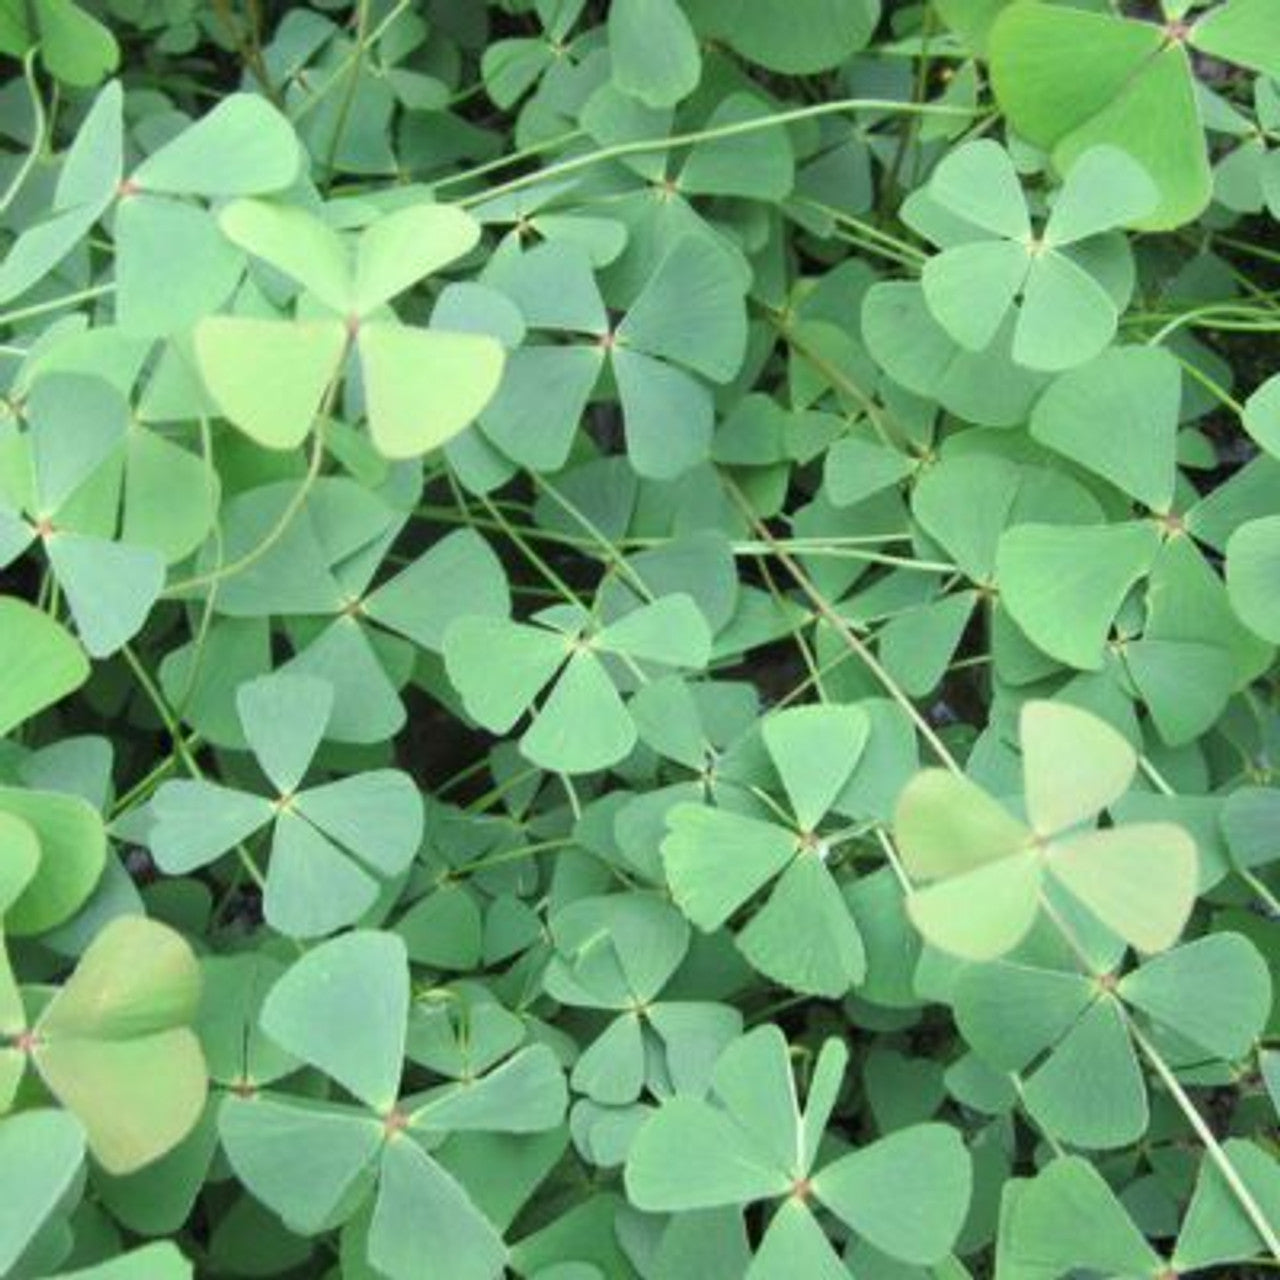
x=39 y=131
x=846 y=633
x=1230 y=1175
x=619 y=151
x=281 y=527
x=180 y=748
x=56 y=304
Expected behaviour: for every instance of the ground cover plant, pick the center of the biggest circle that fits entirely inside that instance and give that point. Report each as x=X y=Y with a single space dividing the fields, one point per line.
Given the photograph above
x=638 y=639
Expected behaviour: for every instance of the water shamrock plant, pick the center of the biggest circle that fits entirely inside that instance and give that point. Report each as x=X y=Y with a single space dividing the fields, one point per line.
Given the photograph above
x=638 y=639
x=695 y=1153
x=990 y=873
x=1066 y=315
x=717 y=859
x=325 y=840
x=420 y=386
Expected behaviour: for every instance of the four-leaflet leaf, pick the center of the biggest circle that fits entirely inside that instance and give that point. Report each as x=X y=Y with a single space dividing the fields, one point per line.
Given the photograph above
x=331 y=845
x=344 y=1009
x=749 y=1141
x=974 y=210
x=717 y=859
x=988 y=874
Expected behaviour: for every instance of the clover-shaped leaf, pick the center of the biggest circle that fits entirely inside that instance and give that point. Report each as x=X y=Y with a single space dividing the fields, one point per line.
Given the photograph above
x=1068 y=1034
x=65 y=833
x=416 y=605
x=750 y=1141
x=512 y=66
x=1064 y=584
x=110 y=585
x=1247 y=821
x=1071 y=80
x=1140 y=387
x=654 y=51
x=44 y=663
x=331 y=844
x=987 y=387
x=243 y=147
x=1067 y=1218
x=500 y=667
x=461 y=1032
x=986 y=871
x=41 y=1155
x=535 y=415
x=716 y=860
x=616 y=952
x=1247 y=179
x=115 y=1045
x=271 y=377
x=759 y=166
x=1253 y=569
x=326 y=565
x=22 y=855
x=991 y=256
x=107 y=474
x=344 y=1008
x=74 y=46
x=1216 y=1230
x=1215 y=993
x=795 y=37
x=687 y=324
x=1261 y=417
x=239 y=1053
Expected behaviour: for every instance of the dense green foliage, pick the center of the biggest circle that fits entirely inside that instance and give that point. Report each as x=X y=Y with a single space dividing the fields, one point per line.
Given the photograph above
x=638 y=639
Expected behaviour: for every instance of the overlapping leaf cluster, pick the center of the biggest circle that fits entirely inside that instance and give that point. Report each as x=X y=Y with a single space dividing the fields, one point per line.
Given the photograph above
x=638 y=639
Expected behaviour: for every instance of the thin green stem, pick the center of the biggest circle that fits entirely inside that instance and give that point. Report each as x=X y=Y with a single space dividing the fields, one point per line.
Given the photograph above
x=797 y=628
x=812 y=681
x=846 y=634
x=552 y=577
x=841 y=382
x=531 y=152
x=351 y=84
x=162 y=709
x=1214 y=388
x=891 y=188
x=278 y=530
x=571 y=794
x=1230 y=1175
x=608 y=549
x=491 y=797
x=247 y=45
x=211 y=597
x=56 y=304
x=1260 y=889
x=465 y=774
x=648 y=146
x=146 y=785
x=39 y=133
x=836 y=546
x=818 y=551
x=341 y=70
x=900 y=248
x=507 y=856
x=1247 y=246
